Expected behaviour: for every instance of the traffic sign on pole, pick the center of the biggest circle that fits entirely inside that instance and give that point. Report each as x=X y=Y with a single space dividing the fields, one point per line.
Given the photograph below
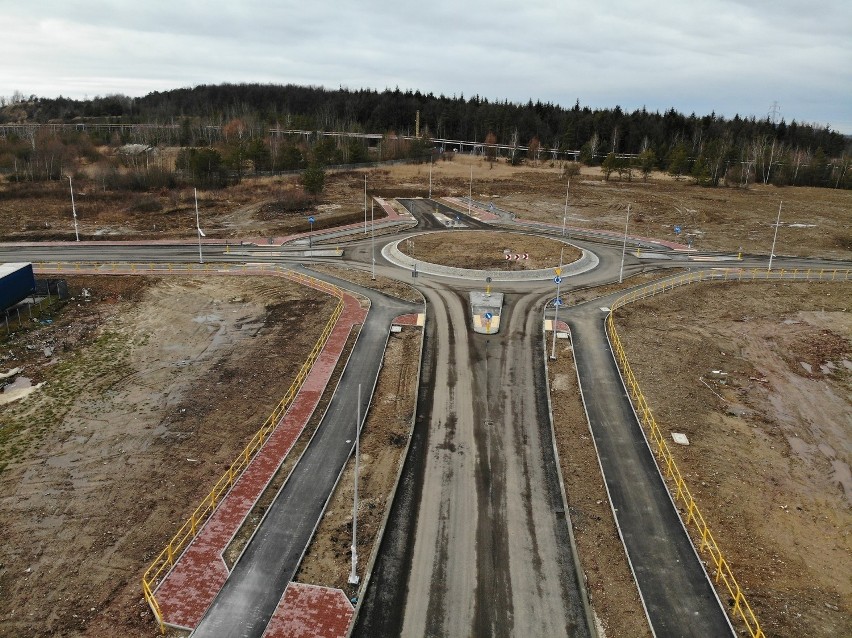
x=557 y=280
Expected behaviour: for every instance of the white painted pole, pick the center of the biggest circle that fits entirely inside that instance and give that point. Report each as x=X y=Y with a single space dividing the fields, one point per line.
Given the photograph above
x=373 y=237
x=365 y=204
x=470 y=192
x=353 y=575
x=431 y=161
x=73 y=209
x=198 y=227
x=556 y=305
x=624 y=246
x=565 y=214
x=775 y=236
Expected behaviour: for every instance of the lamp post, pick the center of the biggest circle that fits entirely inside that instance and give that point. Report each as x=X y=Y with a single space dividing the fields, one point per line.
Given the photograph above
x=73 y=209
x=353 y=574
x=470 y=192
x=775 y=236
x=373 y=238
x=198 y=228
x=556 y=303
x=431 y=161
x=365 y=203
x=311 y=221
x=624 y=246
x=565 y=214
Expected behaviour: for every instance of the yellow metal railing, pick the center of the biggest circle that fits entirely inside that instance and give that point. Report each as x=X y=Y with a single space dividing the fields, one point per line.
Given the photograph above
x=666 y=460
x=189 y=530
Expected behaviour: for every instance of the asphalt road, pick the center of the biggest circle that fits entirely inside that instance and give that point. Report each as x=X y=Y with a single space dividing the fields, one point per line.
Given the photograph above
x=678 y=597
x=251 y=593
x=476 y=544
x=486 y=551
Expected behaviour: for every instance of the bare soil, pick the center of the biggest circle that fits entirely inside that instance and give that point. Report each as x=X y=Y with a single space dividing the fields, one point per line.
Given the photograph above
x=383 y=443
x=759 y=377
x=814 y=221
x=486 y=250
x=152 y=388
x=386 y=285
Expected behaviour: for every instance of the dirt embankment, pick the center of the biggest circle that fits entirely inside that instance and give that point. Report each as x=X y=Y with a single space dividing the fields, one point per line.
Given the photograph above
x=151 y=390
x=759 y=377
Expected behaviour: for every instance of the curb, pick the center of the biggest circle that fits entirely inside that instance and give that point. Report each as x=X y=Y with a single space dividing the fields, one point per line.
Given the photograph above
x=578 y=566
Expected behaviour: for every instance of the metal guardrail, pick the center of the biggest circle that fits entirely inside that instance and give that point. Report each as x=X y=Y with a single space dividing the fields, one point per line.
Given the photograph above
x=666 y=460
x=163 y=563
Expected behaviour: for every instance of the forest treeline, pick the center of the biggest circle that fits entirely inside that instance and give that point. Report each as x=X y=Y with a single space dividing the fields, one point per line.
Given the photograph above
x=712 y=149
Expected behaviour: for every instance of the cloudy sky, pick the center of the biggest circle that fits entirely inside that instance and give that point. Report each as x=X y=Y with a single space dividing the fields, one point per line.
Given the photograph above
x=694 y=55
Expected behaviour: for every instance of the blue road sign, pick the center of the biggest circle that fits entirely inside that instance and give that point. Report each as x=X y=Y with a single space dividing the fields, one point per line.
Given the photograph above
x=458 y=218
x=557 y=280
x=488 y=316
x=311 y=220
x=677 y=230
x=557 y=302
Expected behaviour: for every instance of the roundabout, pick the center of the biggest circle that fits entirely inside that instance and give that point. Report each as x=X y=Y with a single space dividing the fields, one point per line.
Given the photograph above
x=581 y=259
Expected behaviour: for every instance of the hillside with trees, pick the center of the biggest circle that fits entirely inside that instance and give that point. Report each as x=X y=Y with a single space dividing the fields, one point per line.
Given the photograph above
x=233 y=122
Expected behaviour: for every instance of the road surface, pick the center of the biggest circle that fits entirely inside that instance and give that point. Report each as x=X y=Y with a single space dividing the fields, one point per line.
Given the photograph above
x=491 y=554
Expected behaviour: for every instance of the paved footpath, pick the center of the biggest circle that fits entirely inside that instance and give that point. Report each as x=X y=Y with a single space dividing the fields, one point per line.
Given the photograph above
x=200 y=573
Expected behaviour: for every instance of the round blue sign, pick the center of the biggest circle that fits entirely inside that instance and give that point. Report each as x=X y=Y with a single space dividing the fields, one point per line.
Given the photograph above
x=311 y=220
x=557 y=280
x=488 y=316
x=677 y=230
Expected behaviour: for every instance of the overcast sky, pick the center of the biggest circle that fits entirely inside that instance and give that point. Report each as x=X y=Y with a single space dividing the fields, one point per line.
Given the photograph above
x=696 y=56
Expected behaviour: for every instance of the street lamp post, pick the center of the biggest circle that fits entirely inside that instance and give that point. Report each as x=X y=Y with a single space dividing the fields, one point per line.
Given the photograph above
x=198 y=228
x=470 y=192
x=557 y=302
x=624 y=246
x=775 y=236
x=353 y=574
x=431 y=161
x=565 y=214
x=311 y=221
x=73 y=209
x=365 y=204
x=373 y=238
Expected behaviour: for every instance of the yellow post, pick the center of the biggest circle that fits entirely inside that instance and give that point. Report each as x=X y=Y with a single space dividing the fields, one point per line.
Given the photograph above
x=740 y=256
x=227 y=248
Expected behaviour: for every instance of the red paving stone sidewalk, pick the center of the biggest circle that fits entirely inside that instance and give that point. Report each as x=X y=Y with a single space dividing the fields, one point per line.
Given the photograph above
x=310 y=611
x=414 y=319
x=187 y=591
